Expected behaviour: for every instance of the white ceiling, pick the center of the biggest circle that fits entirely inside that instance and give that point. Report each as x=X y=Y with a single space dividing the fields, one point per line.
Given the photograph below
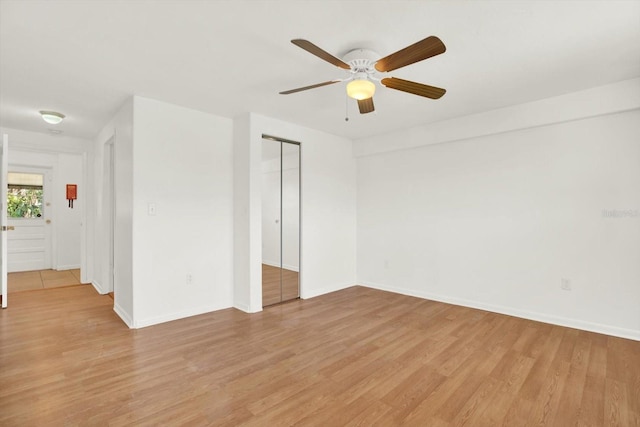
x=85 y=58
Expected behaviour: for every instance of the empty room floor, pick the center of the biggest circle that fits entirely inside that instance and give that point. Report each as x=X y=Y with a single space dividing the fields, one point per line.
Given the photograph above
x=41 y=279
x=353 y=357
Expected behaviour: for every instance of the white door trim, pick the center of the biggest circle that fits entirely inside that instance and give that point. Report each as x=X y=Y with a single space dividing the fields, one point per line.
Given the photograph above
x=108 y=204
x=3 y=218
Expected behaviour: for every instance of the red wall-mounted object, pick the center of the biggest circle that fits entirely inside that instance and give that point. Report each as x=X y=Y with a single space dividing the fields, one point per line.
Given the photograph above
x=72 y=193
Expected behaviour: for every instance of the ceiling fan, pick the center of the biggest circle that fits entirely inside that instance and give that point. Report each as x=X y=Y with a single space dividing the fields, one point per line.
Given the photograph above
x=363 y=65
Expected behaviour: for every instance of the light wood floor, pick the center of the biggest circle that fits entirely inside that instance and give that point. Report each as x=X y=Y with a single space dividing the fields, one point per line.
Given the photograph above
x=272 y=292
x=353 y=357
x=41 y=279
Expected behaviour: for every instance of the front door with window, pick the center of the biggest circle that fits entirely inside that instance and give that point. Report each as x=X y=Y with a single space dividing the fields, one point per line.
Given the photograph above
x=28 y=210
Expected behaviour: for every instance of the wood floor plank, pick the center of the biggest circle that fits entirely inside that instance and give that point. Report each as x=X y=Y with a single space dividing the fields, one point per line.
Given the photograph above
x=622 y=362
x=546 y=406
x=615 y=404
x=358 y=357
x=414 y=389
x=495 y=413
x=475 y=376
x=445 y=402
x=512 y=371
x=534 y=381
x=592 y=406
x=470 y=413
x=570 y=400
x=374 y=414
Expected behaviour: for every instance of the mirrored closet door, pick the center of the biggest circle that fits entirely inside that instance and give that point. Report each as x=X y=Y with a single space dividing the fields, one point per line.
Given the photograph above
x=280 y=220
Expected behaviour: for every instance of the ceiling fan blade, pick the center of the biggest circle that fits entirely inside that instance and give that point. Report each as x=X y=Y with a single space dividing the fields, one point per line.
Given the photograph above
x=315 y=50
x=365 y=105
x=431 y=46
x=300 y=89
x=413 y=87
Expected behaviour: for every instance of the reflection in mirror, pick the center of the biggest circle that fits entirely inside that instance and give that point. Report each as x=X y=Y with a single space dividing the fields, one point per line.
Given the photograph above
x=280 y=221
x=271 y=264
x=290 y=220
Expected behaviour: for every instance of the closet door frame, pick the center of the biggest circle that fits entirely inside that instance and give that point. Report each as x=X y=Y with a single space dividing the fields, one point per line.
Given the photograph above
x=299 y=145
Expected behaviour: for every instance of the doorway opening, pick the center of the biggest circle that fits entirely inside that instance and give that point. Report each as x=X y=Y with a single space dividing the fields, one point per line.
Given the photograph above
x=29 y=240
x=42 y=240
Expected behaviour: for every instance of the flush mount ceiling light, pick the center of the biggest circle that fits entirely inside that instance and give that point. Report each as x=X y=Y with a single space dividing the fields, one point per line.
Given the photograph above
x=52 y=117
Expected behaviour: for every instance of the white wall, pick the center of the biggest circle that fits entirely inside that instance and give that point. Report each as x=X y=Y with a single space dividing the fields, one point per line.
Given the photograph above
x=183 y=166
x=68 y=229
x=492 y=221
x=46 y=143
x=497 y=221
x=246 y=158
x=597 y=101
x=63 y=156
x=180 y=161
x=327 y=204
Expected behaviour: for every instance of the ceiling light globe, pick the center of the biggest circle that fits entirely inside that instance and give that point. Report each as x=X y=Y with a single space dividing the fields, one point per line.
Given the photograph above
x=361 y=89
x=52 y=117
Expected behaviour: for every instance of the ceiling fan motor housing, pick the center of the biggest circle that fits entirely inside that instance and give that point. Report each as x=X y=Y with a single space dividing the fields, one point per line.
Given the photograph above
x=362 y=62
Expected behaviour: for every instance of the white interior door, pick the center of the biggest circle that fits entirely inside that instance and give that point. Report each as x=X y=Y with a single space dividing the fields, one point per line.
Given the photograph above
x=29 y=243
x=3 y=216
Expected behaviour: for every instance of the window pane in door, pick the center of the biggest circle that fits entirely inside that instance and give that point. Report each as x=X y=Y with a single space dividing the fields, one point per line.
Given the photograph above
x=24 y=195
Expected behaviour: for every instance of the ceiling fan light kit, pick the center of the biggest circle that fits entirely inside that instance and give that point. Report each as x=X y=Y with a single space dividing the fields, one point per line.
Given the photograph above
x=363 y=65
x=52 y=117
x=361 y=89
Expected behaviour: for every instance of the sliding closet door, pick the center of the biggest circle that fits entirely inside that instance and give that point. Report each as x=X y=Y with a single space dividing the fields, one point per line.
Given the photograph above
x=290 y=221
x=280 y=221
x=271 y=248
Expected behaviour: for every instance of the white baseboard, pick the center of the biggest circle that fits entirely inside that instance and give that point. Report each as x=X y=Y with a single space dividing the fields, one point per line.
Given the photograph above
x=178 y=315
x=123 y=315
x=246 y=308
x=242 y=307
x=285 y=266
x=271 y=263
x=67 y=267
x=98 y=287
x=307 y=294
x=525 y=314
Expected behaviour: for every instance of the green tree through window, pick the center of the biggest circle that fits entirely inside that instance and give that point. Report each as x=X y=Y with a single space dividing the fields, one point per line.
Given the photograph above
x=24 y=195
x=24 y=202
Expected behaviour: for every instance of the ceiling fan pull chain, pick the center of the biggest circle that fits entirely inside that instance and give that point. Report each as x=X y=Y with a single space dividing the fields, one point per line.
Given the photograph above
x=346 y=108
